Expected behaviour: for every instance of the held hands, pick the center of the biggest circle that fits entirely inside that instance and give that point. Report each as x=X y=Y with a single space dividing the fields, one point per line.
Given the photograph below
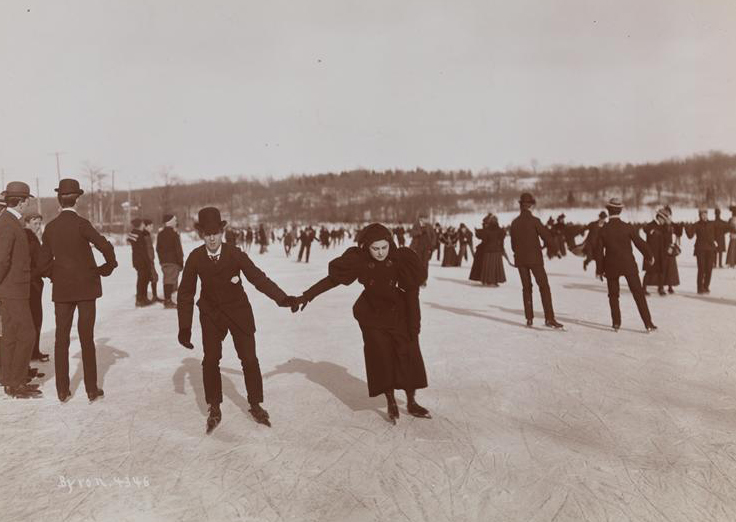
x=294 y=302
x=185 y=338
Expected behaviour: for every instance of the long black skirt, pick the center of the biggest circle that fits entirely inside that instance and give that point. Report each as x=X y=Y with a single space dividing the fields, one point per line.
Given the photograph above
x=393 y=361
x=731 y=255
x=488 y=269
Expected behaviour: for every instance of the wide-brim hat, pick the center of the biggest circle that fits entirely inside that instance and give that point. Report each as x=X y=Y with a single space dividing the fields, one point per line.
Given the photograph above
x=209 y=221
x=17 y=189
x=527 y=198
x=68 y=187
x=615 y=203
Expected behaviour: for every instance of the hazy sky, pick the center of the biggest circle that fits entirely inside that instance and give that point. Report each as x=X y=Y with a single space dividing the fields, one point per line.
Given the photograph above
x=271 y=87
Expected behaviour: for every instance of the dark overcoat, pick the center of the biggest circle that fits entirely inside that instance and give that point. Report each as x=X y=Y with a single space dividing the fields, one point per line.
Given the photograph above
x=67 y=258
x=613 y=248
x=15 y=259
x=526 y=231
x=222 y=298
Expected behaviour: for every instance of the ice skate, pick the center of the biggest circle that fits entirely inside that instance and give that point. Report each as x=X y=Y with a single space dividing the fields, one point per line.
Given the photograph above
x=552 y=323
x=260 y=415
x=214 y=418
x=97 y=394
x=418 y=411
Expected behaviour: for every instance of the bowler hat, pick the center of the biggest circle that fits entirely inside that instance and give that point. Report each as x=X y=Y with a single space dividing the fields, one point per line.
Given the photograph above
x=527 y=198
x=615 y=203
x=17 y=189
x=209 y=221
x=69 y=186
x=168 y=217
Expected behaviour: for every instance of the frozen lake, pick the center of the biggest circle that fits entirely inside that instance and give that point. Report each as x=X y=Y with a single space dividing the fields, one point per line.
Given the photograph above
x=529 y=424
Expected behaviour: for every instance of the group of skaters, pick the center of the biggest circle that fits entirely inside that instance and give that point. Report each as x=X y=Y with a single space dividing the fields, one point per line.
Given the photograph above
x=387 y=311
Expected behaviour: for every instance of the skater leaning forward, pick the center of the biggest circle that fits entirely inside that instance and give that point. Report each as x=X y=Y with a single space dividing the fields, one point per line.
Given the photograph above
x=387 y=312
x=224 y=307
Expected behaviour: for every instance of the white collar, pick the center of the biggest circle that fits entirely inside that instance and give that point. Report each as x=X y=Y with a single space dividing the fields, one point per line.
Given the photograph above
x=70 y=210
x=15 y=213
x=215 y=253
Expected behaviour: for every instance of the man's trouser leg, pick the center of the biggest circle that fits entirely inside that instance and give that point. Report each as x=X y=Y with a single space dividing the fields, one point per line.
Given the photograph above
x=639 y=298
x=19 y=334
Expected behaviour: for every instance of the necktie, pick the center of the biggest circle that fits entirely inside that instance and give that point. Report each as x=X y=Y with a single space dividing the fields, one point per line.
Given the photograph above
x=215 y=259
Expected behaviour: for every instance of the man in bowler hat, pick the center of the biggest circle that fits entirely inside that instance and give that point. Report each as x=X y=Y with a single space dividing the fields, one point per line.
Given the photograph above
x=526 y=230
x=224 y=307
x=704 y=232
x=613 y=248
x=67 y=258
x=19 y=331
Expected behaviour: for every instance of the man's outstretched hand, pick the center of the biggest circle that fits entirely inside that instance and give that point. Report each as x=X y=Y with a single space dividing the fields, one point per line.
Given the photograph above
x=185 y=339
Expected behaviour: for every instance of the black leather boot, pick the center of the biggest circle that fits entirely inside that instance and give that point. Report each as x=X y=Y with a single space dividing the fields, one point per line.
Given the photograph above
x=393 y=408
x=414 y=408
x=214 y=418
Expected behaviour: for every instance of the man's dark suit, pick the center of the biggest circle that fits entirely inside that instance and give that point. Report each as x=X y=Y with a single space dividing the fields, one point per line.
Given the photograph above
x=613 y=248
x=705 y=249
x=224 y=306
x=525 y=233
x=141 y=262
x=67 y=258
x=15 y=287
x=34 y=246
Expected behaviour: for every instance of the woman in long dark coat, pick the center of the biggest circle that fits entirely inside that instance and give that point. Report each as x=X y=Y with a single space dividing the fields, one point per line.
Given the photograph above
x=387 y=312
x=488 y=261
x=654 y=272
x=449 y=239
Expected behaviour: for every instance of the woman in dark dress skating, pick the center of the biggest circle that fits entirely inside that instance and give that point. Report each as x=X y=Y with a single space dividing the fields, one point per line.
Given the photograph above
x=387 y=312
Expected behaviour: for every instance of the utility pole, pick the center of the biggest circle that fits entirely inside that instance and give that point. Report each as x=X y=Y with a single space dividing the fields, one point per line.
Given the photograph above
x=127 y=218
x=58 y=167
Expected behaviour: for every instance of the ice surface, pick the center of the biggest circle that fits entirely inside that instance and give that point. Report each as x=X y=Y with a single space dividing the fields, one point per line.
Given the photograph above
x=529 y=425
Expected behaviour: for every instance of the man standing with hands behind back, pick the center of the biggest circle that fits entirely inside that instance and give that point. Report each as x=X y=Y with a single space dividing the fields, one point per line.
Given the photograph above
x=19 y=332
x=67 y=258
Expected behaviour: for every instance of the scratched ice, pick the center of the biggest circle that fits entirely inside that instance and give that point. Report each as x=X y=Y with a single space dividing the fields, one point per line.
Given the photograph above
x=529 y=424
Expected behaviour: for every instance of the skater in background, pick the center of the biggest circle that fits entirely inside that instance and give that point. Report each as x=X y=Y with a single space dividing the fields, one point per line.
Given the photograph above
x=655 y=232
x=262 y=239
x=465 y=242
x=721 y=229
x=19 y=331
x=487 y=265
x=672 y=235
x=305 y=239
x=288 y=241
x=171 y=258
x=526 y=231
x=230 y=236
x=141 y=262
x=559 y=229
x=704 y=232
x=731 y=254
x=594 y=229
x=248 y=238
x=437 y=240
x=224 y=307
x=67 y=258
x=422 y=242
x=551 y=245
x=148 y=227
x=33 y=223
x=387 y=312
x=400 y=233
x=614 y=248
x=449 y=239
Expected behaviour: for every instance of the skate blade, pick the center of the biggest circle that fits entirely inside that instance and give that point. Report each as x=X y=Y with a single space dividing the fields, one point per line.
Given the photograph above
x=211 y=426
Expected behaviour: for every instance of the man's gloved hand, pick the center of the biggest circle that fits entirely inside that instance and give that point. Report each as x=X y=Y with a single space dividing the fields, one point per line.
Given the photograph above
x=105 y=269
x=185 y=338
x=302 y=301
